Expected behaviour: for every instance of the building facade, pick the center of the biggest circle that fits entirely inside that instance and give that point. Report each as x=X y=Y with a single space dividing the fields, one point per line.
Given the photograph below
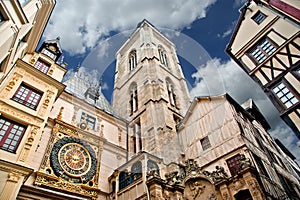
x=269 y=53
x=63 y=140
x=21 y=26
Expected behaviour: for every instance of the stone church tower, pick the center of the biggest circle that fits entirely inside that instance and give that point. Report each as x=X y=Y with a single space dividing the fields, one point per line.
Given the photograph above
x=150 y=90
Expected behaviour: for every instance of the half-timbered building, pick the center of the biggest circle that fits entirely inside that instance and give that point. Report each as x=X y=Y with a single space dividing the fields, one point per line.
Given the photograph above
x=266 y=45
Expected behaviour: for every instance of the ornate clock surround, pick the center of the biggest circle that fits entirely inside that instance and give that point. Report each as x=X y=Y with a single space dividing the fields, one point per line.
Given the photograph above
x=73 y=158
x=72 y=161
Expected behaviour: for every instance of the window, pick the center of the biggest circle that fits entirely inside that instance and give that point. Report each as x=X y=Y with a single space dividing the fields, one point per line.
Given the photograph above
x=2 y=18
x=136 y=171
x=42 y=66
x=137 y=137
x=48 y=53
x=286 y=97
x=233 y=164
x=262 y=50
x=259 y=17
x=11 y=134
x=171 y=94
x=23 y=2
x=27 y=96
x=133 y=100
x=162 y=56
x=132 y=60
x=89 y=120
x=205 y=143
x=152 y=167
x=124 y=180
x=260 y=165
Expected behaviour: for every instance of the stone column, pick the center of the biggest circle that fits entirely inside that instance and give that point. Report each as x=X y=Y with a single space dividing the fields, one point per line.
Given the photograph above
x=12 y=186
x=225 y=192
x=155 y=188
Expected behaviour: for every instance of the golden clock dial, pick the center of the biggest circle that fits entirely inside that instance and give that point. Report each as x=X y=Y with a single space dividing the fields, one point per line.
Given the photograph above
x=74 y=159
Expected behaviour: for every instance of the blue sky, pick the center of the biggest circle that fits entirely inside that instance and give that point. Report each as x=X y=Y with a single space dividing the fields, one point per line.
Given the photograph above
x=92 y=30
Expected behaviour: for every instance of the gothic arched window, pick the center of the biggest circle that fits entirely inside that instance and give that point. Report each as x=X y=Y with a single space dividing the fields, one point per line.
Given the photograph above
x=152 y=167
x=162 y=56
x=124 y=179
x=136 y=171
x=133 y=102
x=132 y=60
x=137 y=137
x=171 y=93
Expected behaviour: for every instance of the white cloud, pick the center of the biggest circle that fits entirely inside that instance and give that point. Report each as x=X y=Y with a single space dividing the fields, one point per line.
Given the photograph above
x=217 y=77
x=287 y=138
x=225 y=34
x=81 y=24
x=239 y=3
x=105 y=86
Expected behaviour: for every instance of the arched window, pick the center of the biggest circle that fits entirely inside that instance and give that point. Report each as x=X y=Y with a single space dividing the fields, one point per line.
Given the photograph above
x=132 y=60
x=137 y=137
x=136 y=171
x=162 y=56
x=124 y=179
x=133 y=103
x=171 y=94
x=152 y=167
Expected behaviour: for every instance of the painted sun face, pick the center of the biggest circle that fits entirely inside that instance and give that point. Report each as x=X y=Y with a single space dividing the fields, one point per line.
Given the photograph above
x=74 y=159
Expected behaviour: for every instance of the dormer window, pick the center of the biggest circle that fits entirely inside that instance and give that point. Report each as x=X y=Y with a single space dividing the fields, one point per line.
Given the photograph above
x=42 y=66
x=132 y=60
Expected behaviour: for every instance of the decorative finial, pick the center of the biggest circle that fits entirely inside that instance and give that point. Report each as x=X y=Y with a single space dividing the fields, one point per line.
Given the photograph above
x=59 y=116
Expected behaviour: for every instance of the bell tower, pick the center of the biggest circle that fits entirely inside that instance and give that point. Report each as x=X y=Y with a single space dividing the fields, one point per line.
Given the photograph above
x=150 y=90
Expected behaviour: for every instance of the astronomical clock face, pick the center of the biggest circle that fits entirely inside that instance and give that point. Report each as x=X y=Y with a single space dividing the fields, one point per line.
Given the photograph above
x=73 y=160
